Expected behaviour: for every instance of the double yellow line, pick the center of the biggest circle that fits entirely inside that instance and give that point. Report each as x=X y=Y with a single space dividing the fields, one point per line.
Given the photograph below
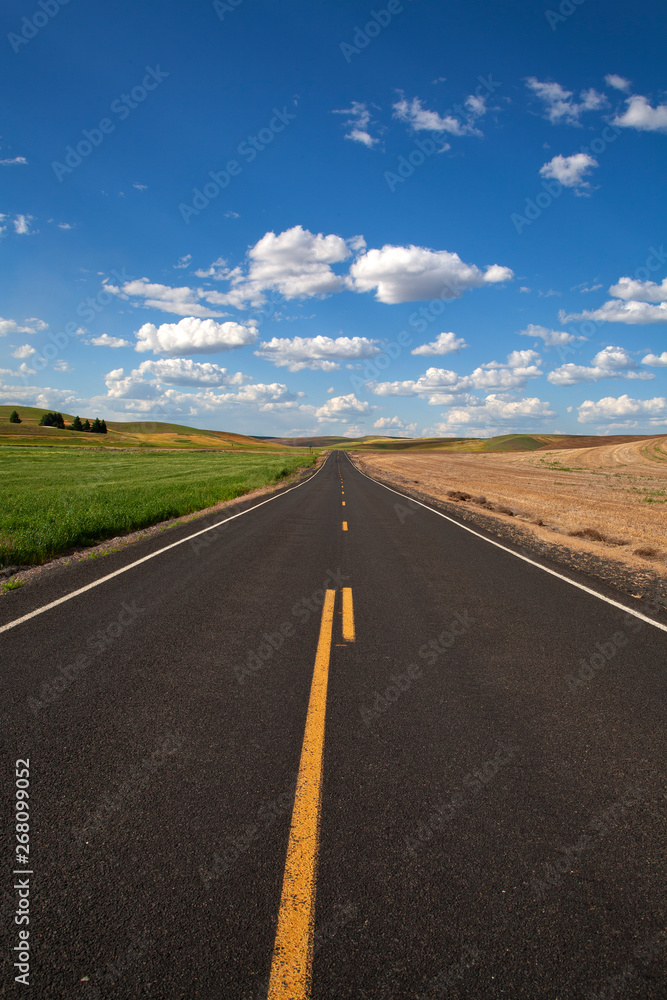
x=291 y=967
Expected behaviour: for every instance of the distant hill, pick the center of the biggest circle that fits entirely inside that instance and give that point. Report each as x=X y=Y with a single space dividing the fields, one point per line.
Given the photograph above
x=154 y=434
x=134 y=434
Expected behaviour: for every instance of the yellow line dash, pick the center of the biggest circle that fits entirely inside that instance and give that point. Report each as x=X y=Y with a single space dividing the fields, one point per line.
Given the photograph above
x=344 y=525
x=343 y=502
x=348 y=615
x=291 y=966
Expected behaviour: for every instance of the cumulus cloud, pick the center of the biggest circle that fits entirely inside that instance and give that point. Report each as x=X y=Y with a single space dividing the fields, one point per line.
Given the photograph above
x=37 y=395
x=104 y=340
x=184 y=371
x=358 y=121
x=24 y=351
x=551 y=338
x=183 y=262
x=441 y=385
x=653 y=411
x=444 y=343
x=559 y=104
x=618 y=311
x=15 y=161
x=341 y=408
x=617 y=82
x=641 y=116
x=655 y=360
x=320 y=352
x=22 y=225
x=639 y=291
x=31 y=325
x=181 y=301
x=495 y=411
x=296 y=263
x=421 y=119
x=409 y=274
x=194 y=336
x=611 y=362
x=394 y=424
x=570 y=171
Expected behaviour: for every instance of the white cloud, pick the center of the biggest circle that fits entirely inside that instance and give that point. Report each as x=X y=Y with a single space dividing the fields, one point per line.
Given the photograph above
x=182 y=301
x=31 y=325
x=639 y=291
x=611 y=362
x=16 y=161
x=655 y=360
x=616 y=311
x=559 y=106
x=143 y=382
x=409 y=274
x=194 y=336
x=617 y=82
x=65 y=225
x=394 y=423
x=25 y=351
x=342 y=408
x=441 y=385
x=551 y=338
x=320 y=352
x=140 y=187
x=652 y=410
x=421 y=119
x=183 y=262
x=37 y=395
x=218 y=270
x=62 y=366
x=570 y=171
x=358 y=121
x=296 y=263
x=22 y=225
x=104 y=340
x=640 y=115
x=444 y=343
x=495 y=411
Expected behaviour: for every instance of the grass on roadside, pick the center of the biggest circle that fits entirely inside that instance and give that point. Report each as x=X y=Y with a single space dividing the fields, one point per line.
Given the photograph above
x=53 y=500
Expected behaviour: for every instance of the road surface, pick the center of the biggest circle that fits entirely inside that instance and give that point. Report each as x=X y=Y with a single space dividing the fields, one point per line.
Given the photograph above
x=337 y=747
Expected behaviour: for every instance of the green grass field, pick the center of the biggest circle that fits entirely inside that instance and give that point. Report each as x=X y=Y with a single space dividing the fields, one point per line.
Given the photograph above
x=53 y=499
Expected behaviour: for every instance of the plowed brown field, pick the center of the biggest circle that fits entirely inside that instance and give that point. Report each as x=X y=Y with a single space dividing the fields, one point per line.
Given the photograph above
x=609 y=500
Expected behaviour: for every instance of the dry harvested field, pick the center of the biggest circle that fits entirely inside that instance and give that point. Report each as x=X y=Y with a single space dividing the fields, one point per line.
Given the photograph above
x=609 y=500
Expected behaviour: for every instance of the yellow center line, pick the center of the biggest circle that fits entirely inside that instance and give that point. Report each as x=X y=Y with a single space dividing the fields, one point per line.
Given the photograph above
x=344 y=525
x=348 y=615
x=291 y=966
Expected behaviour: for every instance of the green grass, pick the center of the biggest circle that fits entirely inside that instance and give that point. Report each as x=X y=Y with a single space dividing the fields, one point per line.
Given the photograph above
x=54 y=499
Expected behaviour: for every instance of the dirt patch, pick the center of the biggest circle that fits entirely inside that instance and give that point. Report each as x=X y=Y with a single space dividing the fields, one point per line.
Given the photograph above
x=601 y=510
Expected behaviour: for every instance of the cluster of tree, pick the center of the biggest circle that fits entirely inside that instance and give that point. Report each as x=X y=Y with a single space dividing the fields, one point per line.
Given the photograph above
x=57 y=420
x=97 y=427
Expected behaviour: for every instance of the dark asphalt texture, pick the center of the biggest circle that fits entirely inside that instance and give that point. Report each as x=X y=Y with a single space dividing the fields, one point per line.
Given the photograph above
x=491 y=826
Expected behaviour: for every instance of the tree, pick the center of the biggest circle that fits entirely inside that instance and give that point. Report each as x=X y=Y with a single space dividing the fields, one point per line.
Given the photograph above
x=14 y=417
x=103 y=426
x=52 y=420
x=97 y=427
x=76 y=424
x=86 y=425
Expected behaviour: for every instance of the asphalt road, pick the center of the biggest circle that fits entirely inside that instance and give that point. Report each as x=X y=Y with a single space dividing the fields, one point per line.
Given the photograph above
x=491 y=806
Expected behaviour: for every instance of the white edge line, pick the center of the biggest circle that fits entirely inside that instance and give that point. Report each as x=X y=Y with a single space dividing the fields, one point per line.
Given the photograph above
x=152 y=555
x=518 y=555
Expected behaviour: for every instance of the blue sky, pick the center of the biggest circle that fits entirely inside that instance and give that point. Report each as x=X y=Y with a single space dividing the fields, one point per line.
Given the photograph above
x=411 y=217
